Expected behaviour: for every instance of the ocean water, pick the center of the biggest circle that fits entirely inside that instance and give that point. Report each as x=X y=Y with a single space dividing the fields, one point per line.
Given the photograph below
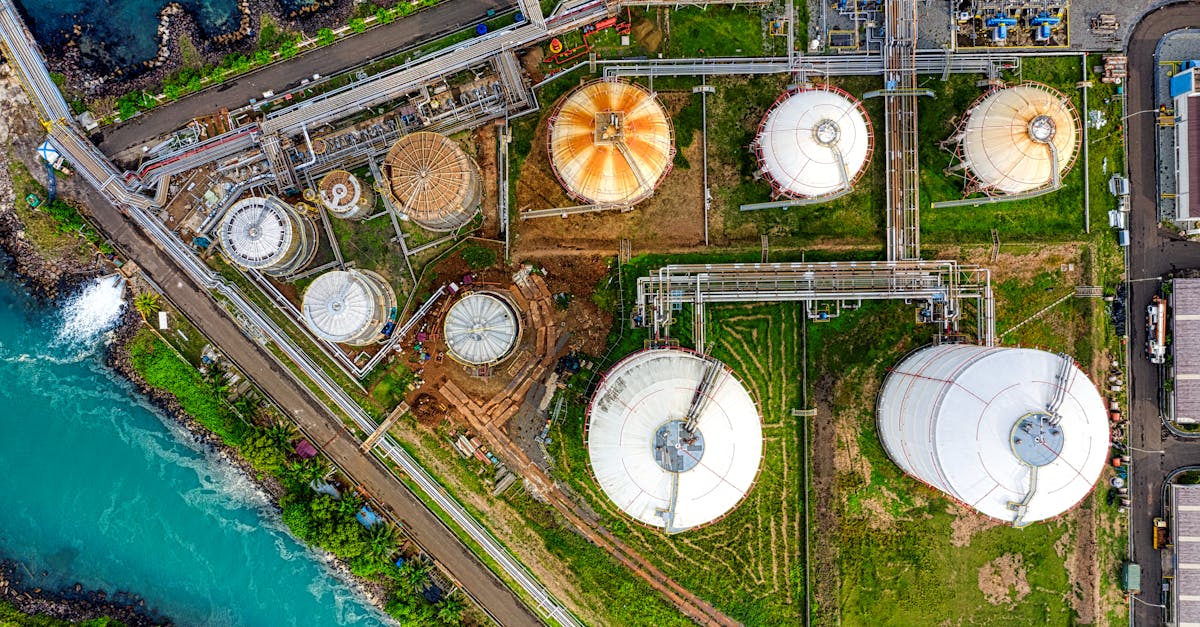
x=117 y=33
x=103 y=490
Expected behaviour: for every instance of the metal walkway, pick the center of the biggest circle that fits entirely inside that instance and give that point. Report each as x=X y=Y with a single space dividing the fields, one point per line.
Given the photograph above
x=900 y=130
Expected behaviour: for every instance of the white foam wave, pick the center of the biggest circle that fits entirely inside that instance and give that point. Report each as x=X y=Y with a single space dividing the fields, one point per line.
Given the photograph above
x=92 y=312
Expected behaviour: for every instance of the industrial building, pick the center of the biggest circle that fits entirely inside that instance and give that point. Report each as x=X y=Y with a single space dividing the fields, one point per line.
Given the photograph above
x=432 y=181
x=481 y=329
x=1185 y=556
x=348 y=306
x=1183 y=401
x=611 y=143
x=343 y=195
x=1012 y=23
x=814 y=142
x=1018 y=139
x=1185 y=96
x=1021 y=435
x=675 y=440
x=266 y=234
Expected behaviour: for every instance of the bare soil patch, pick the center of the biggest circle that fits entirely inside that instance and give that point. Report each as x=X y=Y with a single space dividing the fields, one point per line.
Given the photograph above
x=824 y=485
x=967 y=522
x=1003 y=581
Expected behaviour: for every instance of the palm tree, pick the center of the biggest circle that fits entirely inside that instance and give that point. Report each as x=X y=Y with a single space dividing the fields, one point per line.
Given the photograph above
x=147 y=305
x=310 y=471
x=283 y=432
x=382 y=541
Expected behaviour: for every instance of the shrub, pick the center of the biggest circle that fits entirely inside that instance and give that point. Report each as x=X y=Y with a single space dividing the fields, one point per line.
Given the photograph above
x=479 y=257
x=325 y=36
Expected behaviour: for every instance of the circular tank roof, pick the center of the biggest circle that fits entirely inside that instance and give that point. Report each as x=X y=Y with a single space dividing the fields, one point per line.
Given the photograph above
x=481 y=328
x=610 y=143
x=813 y=141
x=433 y=180
x=1008 y=133
x=257 y=231
x=978 y=423
x=340 y=191
x=645 y=459
x=340 y=306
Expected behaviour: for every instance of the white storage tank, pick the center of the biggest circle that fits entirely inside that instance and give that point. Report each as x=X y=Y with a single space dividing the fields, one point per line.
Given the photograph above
x=481 y=329
x=345 y=196
x=674 y=439
x=266 y=234
x=814 y=141
x=1005 y=141
x=348 y=306
x=1021 y=435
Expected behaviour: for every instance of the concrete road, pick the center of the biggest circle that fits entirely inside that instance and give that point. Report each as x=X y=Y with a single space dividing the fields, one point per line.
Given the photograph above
x=315 y=419
x=1152 y=253
x=345 y=54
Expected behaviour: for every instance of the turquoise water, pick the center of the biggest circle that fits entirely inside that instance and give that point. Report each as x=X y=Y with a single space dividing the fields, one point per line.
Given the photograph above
x=103 y=490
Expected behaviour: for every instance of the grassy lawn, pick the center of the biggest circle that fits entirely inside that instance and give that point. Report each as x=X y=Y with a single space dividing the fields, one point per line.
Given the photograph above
x=749 y=564
x=717 y=31
x=369 y=245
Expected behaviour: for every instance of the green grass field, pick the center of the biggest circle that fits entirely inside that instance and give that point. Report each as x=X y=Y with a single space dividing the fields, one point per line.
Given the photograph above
x=750 y=564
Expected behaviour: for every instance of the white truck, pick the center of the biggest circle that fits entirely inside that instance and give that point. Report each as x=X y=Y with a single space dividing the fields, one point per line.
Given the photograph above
x=1156 y=330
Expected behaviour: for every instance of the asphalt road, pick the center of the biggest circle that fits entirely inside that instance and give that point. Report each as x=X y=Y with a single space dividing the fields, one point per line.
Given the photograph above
x=343 y=55
x=1153 y=252
x=326 y=430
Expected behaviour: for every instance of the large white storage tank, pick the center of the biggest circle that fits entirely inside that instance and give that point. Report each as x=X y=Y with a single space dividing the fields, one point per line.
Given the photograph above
x=645 y=458
x=266 y=234
x=349 y=307
x=1006 y=139
x=1020 y=435
x=814 y=141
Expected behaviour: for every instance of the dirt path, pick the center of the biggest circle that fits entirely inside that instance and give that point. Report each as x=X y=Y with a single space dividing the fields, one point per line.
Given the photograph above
x=824 y=475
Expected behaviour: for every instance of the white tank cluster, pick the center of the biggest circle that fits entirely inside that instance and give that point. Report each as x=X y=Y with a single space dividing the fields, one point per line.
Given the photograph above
x=814 y=141
x=432 y=181
x=348 y=306
x=1012 y=138
x=266 y=234
x=675 y=440
x=345 y=196
x=481 y=329
x=1020 y=435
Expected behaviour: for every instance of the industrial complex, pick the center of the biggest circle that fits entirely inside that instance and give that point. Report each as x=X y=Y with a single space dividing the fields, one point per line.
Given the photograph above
x=722 y=312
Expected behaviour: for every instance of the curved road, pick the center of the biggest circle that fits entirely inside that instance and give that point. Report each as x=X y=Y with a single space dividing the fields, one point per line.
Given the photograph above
x=332 y=59
x=1152 y=253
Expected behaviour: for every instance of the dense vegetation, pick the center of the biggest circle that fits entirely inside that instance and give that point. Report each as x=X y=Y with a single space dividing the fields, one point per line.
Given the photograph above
x=317 y=518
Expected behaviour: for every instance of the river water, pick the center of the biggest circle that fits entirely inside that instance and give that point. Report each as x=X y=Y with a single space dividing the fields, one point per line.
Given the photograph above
x=104 y=490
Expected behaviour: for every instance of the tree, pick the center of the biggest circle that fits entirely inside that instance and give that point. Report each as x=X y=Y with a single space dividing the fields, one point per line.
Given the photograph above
x=358 y=25
x=325 y=36
x=146 y=304
x=382 y=541
x=450 y=610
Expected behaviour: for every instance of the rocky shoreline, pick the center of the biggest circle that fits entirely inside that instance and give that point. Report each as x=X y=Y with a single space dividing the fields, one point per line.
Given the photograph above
x=75 y=604
x=175 y=22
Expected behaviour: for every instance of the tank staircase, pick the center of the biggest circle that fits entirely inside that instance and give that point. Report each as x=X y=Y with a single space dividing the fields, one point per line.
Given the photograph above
x=701 y=396
x=1062 y=382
